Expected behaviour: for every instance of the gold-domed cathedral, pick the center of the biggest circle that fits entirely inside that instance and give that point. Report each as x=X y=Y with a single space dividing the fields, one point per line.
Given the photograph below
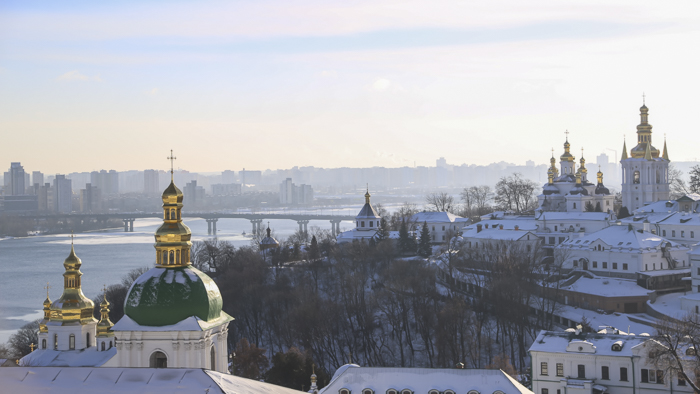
x=173 y=313
x=571 y=190
x=645 y=170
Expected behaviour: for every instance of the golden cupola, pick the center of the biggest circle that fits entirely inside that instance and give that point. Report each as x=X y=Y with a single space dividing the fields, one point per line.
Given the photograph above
x=104 y=327
x=72 y=306
x=644 y=136
x=582 y=168
x=567 y=156
x=47 y=311
x=173 y=236
x=553 y=165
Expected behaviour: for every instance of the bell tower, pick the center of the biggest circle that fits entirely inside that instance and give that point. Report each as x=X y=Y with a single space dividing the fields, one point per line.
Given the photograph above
x=644 y=170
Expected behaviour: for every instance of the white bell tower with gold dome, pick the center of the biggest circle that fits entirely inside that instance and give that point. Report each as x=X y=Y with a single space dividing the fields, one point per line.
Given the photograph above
x=645 y=170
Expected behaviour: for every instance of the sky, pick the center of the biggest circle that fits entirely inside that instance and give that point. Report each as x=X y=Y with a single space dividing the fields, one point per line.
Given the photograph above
x=270 y=84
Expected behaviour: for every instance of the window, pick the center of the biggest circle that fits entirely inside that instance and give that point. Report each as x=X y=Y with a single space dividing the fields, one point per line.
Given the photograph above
x=574 y=205
x=560 y=369
x=87 y=339
x=371 y=223
x=623 y=374
x=581 y=371
x=595 y=264
x=682 y=234
x=434 y=228
x=605 y=264
x=406 y=391
x=391 y=391
x=562 y=239
x=545 y=391
x=605 y=372
x=551 y=240
x=614 y=266
x=103 y=346
x=636 y=177
x=362 y=223
x=663 y=233
x=43 y=343
x=555 y=228
x=575 y=263
x=71 y=342
x=645 y=376
x=673 y=233
x=212 y=359
x=692 y=234
x=55 y=341
x=443 y=228
x=544 y=370
x=659 y=376
x=624 y=266
x=681 y=379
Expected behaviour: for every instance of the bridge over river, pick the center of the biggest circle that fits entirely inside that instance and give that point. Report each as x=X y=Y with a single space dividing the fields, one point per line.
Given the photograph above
x=256 y=219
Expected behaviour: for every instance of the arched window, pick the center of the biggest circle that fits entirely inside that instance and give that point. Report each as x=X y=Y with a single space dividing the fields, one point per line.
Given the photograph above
x=636 y=177
x=433 y=391
x=55 y=341
x=172 y=214
x=367 y=391
x=164 y=259
x=177 y=257
x=87 y=339
x=343 y=391
x=406 y=391
x=110 y=344
x=71 y=342
x=43 y=343
x=158 y=360
x=212 y=355
x=103 y=346
x=391 y=391
x=172 y=257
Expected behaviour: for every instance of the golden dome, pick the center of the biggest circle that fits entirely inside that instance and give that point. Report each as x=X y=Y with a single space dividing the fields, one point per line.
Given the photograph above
x=72 y=306
x=105 y=325
x=172 y=195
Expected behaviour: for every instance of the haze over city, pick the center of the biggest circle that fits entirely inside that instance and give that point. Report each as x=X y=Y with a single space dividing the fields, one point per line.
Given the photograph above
x=272 y=84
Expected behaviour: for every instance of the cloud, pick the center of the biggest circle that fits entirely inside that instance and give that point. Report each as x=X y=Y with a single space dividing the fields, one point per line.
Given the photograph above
x=381 y=84
x=76 y=76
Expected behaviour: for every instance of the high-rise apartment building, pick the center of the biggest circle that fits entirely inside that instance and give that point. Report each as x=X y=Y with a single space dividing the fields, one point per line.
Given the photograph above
x=62 y=194
x=150 y=182
x=15 y=180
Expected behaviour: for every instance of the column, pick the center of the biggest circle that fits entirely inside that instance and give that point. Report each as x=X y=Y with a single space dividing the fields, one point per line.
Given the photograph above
x=131 y=225
x=254 y=227
x=333 y=228
x=208 y=226
x=301 y=226
x=306 y=222
x=214 y=225
x=126 y=225
x=260 y=226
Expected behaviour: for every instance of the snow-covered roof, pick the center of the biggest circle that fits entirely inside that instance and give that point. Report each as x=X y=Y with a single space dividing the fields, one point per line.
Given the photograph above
x=659 y=206
x=192 y=323
x=89 y=357
x=620 y=237
x=130 y=380
x=558 y=341
x=502 y=235
x=438 y=217
x=578 y=216
x=422 y=380
x=607 y=287
x=509 y=224
x=368 y=212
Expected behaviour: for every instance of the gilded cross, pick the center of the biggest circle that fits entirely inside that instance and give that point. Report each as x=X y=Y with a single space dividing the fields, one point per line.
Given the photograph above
x=47 y=287
x=32 y=346
x=644 y=99
x=172 y=164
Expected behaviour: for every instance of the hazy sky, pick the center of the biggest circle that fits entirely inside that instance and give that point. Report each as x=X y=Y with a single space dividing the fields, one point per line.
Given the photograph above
x=89 y=85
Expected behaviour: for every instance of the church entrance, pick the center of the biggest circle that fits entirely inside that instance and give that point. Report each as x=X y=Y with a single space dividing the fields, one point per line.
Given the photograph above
x=159 y=360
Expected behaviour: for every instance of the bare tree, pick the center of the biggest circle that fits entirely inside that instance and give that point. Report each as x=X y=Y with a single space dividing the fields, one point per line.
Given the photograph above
x=440 y=202
x=677 y=184
x=515 y=193
x=674 y=349
x=21 y=340
x=477 y=201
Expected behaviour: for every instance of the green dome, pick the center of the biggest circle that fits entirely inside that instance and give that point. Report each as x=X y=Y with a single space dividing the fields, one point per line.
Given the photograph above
x=165 y=296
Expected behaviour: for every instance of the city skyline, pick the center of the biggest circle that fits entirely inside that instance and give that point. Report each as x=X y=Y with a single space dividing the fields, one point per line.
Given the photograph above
x=331 y=84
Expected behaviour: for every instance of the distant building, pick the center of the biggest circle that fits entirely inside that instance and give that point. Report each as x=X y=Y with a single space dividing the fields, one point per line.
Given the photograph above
x=37 y=179
x=440 y=224
x=107 y=182
x=194 y=194
x=226 y=189
x=62 y=194
x=366 y=224
x=151 y=185
x=250 y=177
x=90 y=199
x=291 y=194
x=15 y=180
x=228 y=177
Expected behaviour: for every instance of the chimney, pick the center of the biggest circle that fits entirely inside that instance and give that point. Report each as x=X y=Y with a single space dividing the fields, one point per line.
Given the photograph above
x=516 y=227
x=478 y=228
x=500 y=227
